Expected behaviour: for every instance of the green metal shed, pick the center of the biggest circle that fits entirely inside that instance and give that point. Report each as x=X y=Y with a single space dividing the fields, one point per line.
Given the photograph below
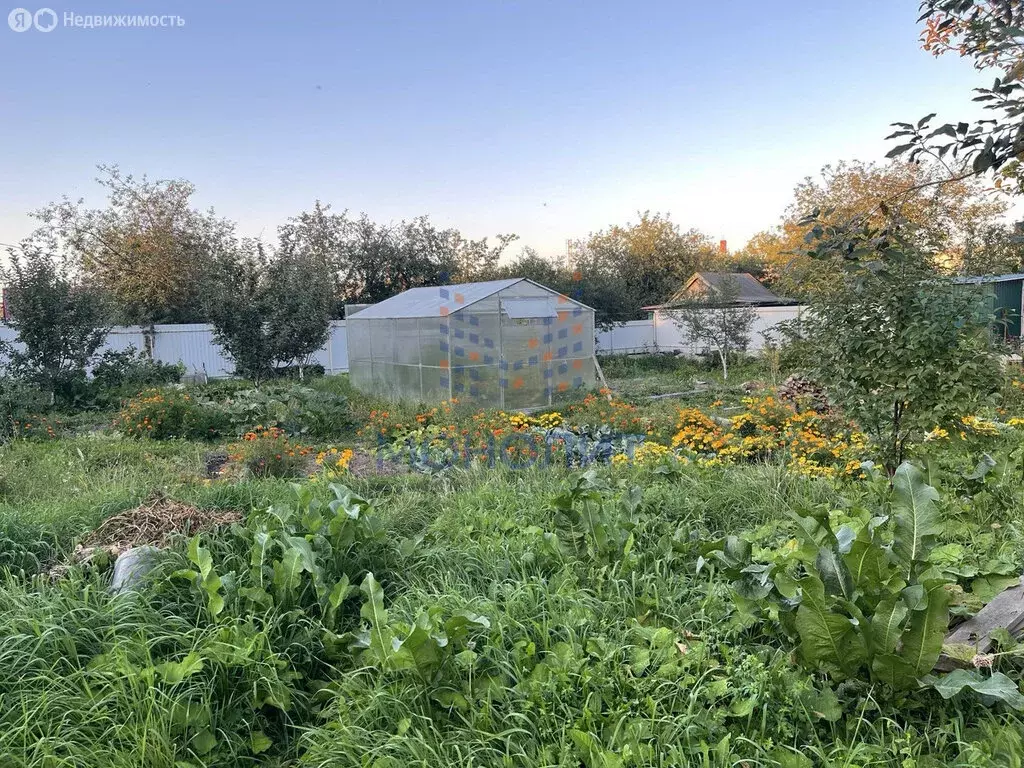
x=1007 y=292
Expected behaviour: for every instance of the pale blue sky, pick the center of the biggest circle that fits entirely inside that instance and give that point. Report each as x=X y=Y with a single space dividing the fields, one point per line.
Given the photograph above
x=545 y=118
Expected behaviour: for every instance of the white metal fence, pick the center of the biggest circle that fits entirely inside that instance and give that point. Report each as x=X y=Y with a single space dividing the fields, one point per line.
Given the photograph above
x=193 y=345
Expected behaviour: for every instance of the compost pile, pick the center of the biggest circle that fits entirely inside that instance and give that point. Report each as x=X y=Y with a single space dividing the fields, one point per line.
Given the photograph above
x=153 y=523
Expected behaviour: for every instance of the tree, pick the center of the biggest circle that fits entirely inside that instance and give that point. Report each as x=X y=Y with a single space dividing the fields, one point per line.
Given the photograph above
x=717 y=319
x=60 y=323
x=270 y=310
x=989 y=33
x=370 y=262
x=298 y=311
x=942 y=220
x=901 y=349
x=148 y=248
x=646 y=263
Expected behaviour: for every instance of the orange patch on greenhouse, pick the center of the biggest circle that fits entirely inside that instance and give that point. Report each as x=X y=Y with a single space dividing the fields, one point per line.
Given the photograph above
x=563 y=315
x=517 y=383
x=459 y=298
x=577 y=364
x=562 y=386
x=533 y=343
x=547 y=357
x=444 y=311
x=577 y=329
x=474 y=356
x=444 y=363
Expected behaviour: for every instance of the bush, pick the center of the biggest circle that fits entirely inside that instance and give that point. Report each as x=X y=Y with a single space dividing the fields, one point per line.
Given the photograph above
x=165 y=414
x=129 y=371
x=267 y=452
x=294 y=409
x=19 y=403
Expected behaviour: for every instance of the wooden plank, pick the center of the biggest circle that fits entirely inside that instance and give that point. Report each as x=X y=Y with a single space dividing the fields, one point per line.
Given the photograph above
x=1004 y=611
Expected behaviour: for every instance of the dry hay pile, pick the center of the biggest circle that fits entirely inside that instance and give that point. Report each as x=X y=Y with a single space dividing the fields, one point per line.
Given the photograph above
x=155 y=522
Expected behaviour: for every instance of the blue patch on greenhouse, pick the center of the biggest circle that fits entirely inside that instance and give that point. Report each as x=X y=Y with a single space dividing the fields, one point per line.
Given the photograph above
x=577 y=347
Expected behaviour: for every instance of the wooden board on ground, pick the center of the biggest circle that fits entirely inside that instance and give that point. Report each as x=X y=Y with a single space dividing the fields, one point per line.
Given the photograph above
x=1004 y=611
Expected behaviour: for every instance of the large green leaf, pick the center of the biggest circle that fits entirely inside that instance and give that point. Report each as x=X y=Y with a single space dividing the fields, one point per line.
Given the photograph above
x=868 y=565
x=887 y=624
x=826 y=638
x=922 y=642
x=917 y=519
x=892 y=670
x=287 y=572
x=376 y=615
x=834 y=573
x=994 y=687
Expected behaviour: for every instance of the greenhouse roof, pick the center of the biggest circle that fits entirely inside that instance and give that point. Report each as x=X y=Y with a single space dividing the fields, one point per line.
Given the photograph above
x=429 y=301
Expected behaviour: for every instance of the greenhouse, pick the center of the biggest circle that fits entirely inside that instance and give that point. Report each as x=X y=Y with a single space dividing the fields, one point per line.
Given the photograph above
x=510 y=344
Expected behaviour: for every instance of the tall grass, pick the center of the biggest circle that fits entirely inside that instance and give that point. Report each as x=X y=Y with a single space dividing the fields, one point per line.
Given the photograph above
x=590 y=660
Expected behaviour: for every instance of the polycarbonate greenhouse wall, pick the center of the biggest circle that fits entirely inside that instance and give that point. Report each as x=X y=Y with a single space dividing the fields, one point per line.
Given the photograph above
x=509 y=344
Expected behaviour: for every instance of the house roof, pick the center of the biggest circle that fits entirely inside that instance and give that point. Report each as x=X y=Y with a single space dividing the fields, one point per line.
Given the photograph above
x=979 y=279
x=428 y=301
x=750 y=289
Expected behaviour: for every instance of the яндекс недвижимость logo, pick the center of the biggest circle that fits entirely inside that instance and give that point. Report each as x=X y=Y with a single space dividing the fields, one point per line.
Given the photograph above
x=22 y=19
x=46 y=20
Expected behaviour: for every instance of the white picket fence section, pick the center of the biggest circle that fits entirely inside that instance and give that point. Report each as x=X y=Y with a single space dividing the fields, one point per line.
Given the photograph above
x=193 y=345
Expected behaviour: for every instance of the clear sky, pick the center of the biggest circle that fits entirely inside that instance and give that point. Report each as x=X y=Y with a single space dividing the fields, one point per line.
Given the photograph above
x=547 y=118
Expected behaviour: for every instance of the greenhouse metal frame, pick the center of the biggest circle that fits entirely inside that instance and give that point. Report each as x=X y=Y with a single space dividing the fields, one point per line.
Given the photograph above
x=512 y=344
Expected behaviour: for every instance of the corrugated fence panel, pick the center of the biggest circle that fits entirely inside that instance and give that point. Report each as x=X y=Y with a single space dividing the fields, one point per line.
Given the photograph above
x=334 y=355
x=671 y=338
x=193 y=346
x=630 y=338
